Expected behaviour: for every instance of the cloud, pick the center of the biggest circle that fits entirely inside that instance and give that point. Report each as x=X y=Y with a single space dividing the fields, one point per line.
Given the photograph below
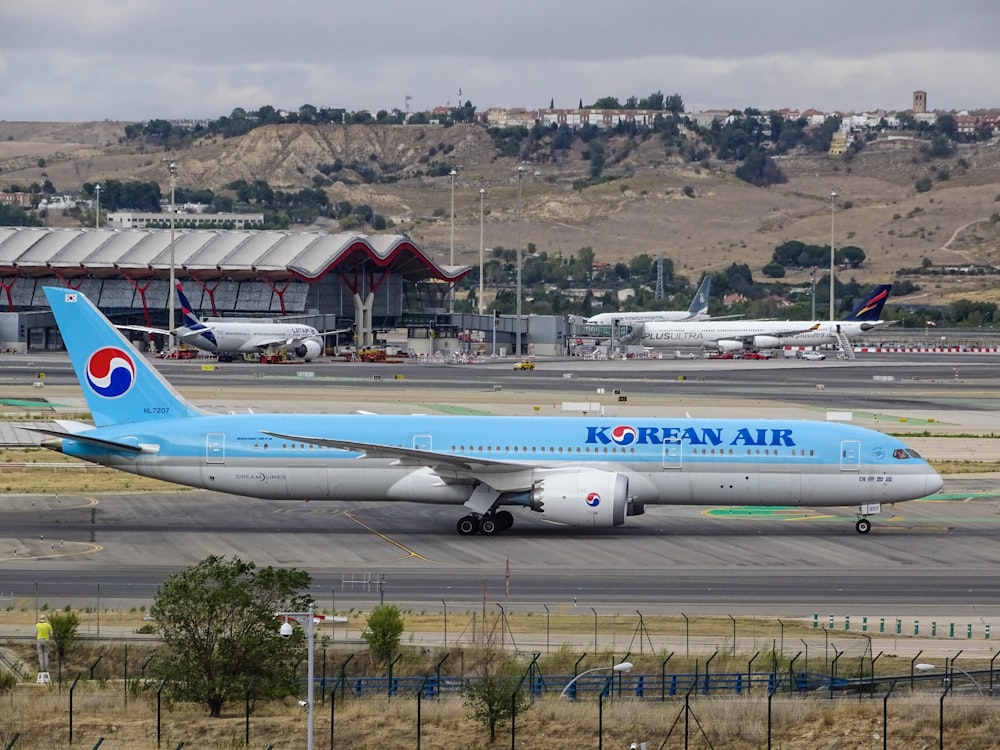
x=137 y=59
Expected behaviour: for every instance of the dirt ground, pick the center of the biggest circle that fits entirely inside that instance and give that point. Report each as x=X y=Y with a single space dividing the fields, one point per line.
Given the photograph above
x=643 y=209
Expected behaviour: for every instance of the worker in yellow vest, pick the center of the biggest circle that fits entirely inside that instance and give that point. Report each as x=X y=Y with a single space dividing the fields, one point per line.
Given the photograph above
x=43 y=636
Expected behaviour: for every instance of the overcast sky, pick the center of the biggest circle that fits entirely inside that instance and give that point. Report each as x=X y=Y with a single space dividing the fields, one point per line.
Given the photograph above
x=139 y=59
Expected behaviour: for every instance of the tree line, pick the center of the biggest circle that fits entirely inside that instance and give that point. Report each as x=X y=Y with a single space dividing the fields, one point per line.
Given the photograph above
x=748 y=138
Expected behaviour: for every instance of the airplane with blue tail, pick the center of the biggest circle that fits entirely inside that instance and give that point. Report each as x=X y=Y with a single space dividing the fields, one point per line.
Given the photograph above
x=591 y=472
x=228 y=338
x=732 y=336
x=697 y=310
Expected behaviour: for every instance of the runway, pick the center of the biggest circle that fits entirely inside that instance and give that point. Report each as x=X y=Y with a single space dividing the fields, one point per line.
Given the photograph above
x=937 y=556
x=932 y=557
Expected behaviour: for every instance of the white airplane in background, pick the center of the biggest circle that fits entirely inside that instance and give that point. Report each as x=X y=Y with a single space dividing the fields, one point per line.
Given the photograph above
x=589 y=472
x=698 y=310
x=227 y=338
x=769 y=334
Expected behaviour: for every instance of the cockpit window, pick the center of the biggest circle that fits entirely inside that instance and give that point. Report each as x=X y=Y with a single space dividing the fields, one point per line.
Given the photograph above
x=900 y=453
x=913 y=453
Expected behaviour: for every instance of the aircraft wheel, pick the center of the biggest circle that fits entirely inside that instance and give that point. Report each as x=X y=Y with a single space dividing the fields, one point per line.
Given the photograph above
x=489 y=526
x=863 y=526
x=468 y=525
x=504 y=519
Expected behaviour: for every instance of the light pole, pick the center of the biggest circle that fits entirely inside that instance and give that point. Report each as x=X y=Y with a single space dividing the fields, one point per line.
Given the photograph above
x=286 y=631
x=173 y=280
x=624 y=666
x=929 y=667
x=521 y=169
x=812 y=279
x=97 y=215
x=482 y=199
x=451 y=257
x=833 y=205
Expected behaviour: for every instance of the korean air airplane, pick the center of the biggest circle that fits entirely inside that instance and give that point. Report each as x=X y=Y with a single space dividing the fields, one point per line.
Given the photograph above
x=578 y=471
x=227 y=338
x=770 y=334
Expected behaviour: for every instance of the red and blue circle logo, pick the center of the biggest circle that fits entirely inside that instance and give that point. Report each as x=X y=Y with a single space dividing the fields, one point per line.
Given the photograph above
x=110 y=372
x=624 y=434
x=593 y=499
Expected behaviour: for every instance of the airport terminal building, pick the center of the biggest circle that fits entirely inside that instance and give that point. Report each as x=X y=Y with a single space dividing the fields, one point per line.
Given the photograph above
x=331 y=281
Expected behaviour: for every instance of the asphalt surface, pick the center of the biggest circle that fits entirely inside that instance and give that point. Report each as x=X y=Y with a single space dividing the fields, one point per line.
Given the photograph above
x=936 y=557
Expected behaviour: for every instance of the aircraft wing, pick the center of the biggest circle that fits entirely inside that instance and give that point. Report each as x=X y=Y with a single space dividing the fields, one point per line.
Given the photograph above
x=144 y=329
x=262 y=342
x=791 y=331
x=439 y=462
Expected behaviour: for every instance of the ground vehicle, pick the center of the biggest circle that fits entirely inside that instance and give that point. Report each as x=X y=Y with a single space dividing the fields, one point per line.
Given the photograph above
x=525 y=364
x=813 y=354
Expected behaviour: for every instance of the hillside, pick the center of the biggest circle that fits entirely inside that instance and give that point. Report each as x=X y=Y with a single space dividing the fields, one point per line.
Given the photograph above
x=644 y=209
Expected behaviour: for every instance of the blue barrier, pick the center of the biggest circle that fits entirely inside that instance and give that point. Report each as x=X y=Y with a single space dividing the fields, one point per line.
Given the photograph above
x=647 y=686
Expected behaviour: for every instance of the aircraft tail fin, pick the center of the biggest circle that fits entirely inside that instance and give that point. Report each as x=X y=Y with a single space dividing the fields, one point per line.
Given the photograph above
x=193 y=323
x=699 y=305
x=191 y=320
x=870 y=308
x=118 y=383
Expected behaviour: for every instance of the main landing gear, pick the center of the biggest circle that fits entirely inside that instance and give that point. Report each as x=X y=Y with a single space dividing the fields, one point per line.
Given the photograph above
x=489 y=524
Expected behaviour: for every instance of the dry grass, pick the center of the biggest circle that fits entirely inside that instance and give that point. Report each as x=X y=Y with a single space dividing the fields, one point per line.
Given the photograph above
x=966 y=467
x=41 y=716
x=40 y=471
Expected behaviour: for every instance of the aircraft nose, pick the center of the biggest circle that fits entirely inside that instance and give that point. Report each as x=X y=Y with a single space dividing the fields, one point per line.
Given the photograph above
x=934 y=482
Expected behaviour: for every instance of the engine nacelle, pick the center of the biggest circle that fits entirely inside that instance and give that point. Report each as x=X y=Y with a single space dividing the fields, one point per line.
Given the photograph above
x=729 y=345
x=585 y=497
x=309 y=349
x=767 y=342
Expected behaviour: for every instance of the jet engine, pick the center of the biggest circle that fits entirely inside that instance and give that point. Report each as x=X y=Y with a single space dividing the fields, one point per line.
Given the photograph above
x=729 y=345
x=309 y=349
x=767 y=342
x=584 y=497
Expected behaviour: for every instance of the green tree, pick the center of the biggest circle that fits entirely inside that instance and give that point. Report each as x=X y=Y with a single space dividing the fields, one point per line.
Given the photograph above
x=940 y=147
x=759 y=169
x=653 y=101
x=496 y=693
x=674 y=103
x=585 y=259
x=774 y=270
x=64 y=631
x=851 y=255
x=217 y=621
x=384 y=629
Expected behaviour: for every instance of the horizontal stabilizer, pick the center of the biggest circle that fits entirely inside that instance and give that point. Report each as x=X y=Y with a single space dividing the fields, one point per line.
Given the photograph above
x=99 y=442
